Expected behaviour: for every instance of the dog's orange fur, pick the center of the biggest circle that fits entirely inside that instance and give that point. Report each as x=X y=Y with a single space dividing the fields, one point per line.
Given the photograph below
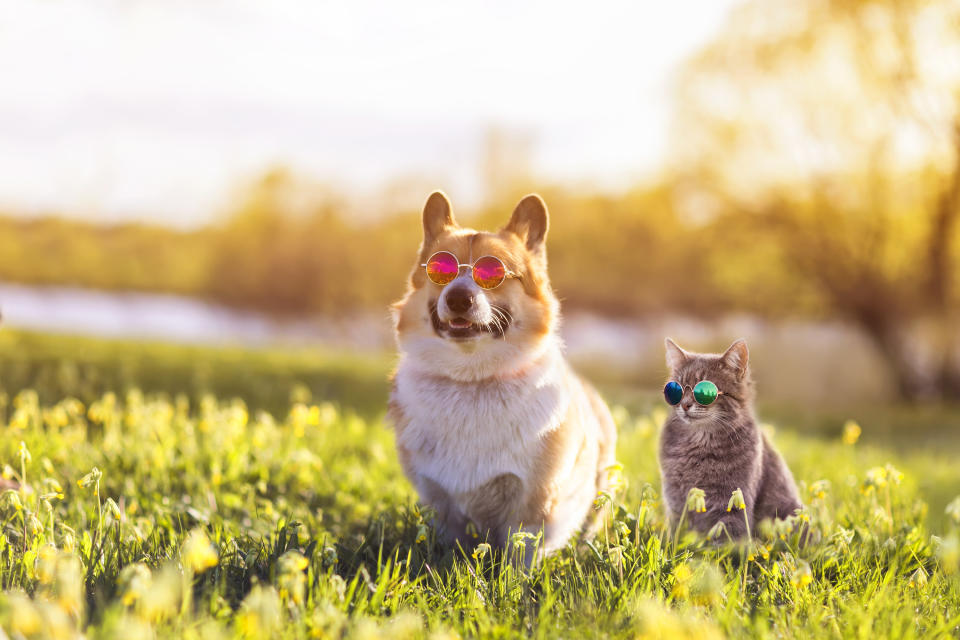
x=499 y=432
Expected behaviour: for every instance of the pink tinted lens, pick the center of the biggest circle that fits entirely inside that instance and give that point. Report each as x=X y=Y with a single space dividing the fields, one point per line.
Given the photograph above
x=489 y=272
x=442 y=267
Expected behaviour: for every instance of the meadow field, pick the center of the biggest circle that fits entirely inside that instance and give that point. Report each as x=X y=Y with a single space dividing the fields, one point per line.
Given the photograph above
x=232 y=194
x=160 y=491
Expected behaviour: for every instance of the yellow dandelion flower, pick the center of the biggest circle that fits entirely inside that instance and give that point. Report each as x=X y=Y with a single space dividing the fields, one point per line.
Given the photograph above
x=953 y=510
x=615 y=477
x=472 y=530
x=293 y=561
x=948 y=551
x=422 y=532
x=736 y=501
x=801 y=576
x=682 y=575
x=328 y=414
x=260 y=613
x=893 y=475
x=46 y=564
x=818 y=490
x=90 y=479
x=481 y=551
x=25 y=620
x=851 y=432
x=696 y=500
x=198 y=553
x=876 y=478
x=134 y=582
x=291 y=579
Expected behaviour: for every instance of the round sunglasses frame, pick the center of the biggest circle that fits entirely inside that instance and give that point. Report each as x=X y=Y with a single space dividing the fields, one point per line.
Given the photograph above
x=684 y=388
x=507 y=273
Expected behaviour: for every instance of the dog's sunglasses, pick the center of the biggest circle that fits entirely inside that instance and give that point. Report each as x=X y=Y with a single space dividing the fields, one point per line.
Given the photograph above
x=704 y=392
x=488 y=271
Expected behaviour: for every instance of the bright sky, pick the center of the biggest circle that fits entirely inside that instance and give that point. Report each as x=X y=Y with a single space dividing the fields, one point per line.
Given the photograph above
x=160 y=109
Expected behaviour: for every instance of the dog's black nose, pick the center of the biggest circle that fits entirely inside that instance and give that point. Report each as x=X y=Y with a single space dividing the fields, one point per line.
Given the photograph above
x=459 y=300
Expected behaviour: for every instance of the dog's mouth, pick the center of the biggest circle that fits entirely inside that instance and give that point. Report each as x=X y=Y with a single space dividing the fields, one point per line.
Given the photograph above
x=460 y=328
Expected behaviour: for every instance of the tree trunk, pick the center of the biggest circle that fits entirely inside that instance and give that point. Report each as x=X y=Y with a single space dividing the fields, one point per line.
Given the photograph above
x=950 y=382
x=888 y=337
x=948 y=372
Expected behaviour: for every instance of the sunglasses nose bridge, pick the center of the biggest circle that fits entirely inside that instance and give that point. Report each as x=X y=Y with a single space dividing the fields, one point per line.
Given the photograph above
x=465 y=276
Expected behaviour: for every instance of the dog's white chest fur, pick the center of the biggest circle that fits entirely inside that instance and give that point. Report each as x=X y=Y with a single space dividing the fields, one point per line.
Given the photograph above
x=461 y=435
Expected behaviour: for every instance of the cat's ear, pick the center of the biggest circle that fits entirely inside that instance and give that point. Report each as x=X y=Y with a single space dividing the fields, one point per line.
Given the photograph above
x=675 y=355
x=736 y=357
x=530 y=222
x=437 y=216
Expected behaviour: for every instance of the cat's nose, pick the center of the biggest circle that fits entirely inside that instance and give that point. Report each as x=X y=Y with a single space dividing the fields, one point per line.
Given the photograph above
x=687 y=402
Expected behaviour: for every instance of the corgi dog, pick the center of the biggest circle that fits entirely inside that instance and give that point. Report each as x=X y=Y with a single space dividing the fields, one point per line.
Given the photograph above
x=493 y=427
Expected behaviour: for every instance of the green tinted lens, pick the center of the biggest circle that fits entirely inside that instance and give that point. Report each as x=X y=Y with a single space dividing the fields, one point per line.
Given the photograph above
x=705 y=392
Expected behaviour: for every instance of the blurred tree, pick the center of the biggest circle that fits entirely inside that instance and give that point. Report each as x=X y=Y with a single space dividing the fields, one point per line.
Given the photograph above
x=288 y=248
x=831 y=128
x=623 y=255
x=127 y=257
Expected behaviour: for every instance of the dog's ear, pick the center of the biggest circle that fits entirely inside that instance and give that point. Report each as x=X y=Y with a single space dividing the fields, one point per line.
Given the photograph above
x=675 y=355
x=736 y=357
x=529 y=222
x=437 y=216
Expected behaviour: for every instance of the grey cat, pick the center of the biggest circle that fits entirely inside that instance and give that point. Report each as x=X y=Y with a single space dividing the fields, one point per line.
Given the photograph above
x=718 y=448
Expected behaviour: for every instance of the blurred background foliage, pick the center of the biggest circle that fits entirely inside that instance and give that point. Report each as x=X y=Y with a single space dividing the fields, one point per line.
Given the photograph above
x=814 y=173
x=619 y=255
x=833 y=129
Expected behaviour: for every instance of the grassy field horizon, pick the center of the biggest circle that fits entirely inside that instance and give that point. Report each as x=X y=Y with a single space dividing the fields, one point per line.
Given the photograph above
x=61 y=365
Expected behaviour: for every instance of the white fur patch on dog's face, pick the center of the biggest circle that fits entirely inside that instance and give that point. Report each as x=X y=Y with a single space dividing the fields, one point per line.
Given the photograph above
x=504 y=330
x=480 y=319
x=480 y=356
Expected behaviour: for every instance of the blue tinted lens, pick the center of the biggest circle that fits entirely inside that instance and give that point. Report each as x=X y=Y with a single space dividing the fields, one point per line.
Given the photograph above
x=673 y=392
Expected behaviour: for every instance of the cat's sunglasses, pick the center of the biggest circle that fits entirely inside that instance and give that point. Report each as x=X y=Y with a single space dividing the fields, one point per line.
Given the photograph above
x=489 y=272
x=704 y=392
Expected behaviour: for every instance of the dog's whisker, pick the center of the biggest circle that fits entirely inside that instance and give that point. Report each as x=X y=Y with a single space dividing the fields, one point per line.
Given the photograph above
x=504 y=312
x=493 y=325
x=501 y=319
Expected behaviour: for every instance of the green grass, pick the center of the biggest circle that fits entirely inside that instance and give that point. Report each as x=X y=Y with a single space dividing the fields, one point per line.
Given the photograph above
x=207 y=517
x=85 y=368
